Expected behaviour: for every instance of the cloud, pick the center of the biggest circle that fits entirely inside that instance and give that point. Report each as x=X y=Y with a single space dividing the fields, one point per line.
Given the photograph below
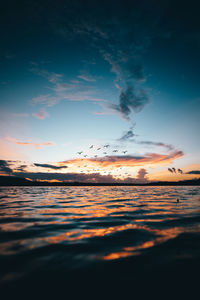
x=21 y=168
x=42 y=114
x=160 y=144
x=29 y=143
x=47 y=99
x=130 y=100
x=86 y=76
x=127 y=136
x=4 y=167
x=121 y=37
x=142 y=175
x=150 y=159
x=49 y=166
x=52 y=77
x=80 y=177
x=194 y=172
x=77 y=177
x=73 y=90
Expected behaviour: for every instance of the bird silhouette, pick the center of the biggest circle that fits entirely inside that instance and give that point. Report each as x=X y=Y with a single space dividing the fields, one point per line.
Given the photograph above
x=115 y=150
x=80 y=152
x=124 y=152
x=91 y=146
x=96 y=156
x=106 y=146
x=98 y=148
x=105 y=153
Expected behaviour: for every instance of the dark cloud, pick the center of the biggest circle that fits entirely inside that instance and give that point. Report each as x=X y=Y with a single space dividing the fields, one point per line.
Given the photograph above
x=75 y=177
x=194 y=172
x=121 y=34
x=50 y=166
x=142 y=175
x=160 y=144
x=83 y=177
x=5 y=167
x=21 y=168
x=130 y=100
x=127 y=135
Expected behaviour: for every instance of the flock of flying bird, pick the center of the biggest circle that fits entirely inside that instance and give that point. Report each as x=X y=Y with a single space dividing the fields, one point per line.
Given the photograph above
x=105 y=153
x=171 y=170
x=99 y=148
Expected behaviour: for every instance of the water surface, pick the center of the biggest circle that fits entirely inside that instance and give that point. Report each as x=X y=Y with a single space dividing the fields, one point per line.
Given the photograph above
x=107 y=235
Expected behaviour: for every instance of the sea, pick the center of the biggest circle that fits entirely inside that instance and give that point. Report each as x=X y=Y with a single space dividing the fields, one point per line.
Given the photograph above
x=105 y=241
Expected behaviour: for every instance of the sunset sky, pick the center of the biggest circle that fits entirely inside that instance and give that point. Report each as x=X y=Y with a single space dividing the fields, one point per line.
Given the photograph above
x=122 y=76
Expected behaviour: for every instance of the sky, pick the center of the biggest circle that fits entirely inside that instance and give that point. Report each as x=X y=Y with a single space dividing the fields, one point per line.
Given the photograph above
x=100 y=91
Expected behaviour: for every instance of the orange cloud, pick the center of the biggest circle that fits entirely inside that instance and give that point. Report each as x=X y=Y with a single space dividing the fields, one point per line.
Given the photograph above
x=29 y=143
x=150 y=159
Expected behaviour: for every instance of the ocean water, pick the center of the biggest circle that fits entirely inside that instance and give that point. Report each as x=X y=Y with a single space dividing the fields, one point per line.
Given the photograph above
x=79 y=239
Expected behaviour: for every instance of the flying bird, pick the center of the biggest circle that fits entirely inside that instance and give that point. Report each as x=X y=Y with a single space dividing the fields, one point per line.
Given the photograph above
x=115 y=150
x=80 y=152
x=106 y=146
x=91 y=146
x=96 y=156
x=174 y=170
x=105 y=153
x=124 y=152
x=98 y=148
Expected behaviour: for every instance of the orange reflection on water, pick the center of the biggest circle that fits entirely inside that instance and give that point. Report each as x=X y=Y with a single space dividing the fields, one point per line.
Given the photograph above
x=75 y=214
x=81 y=234
x=163 y=235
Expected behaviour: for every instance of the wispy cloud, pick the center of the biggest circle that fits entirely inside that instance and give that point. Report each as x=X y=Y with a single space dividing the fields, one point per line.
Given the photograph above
x=159 y=144
x=86 y=76
x=47 y=100
x=29 y=143
x=130 y=100
x=52 y=77
x=42 y=114
x=127 y=135
x=72 y=90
